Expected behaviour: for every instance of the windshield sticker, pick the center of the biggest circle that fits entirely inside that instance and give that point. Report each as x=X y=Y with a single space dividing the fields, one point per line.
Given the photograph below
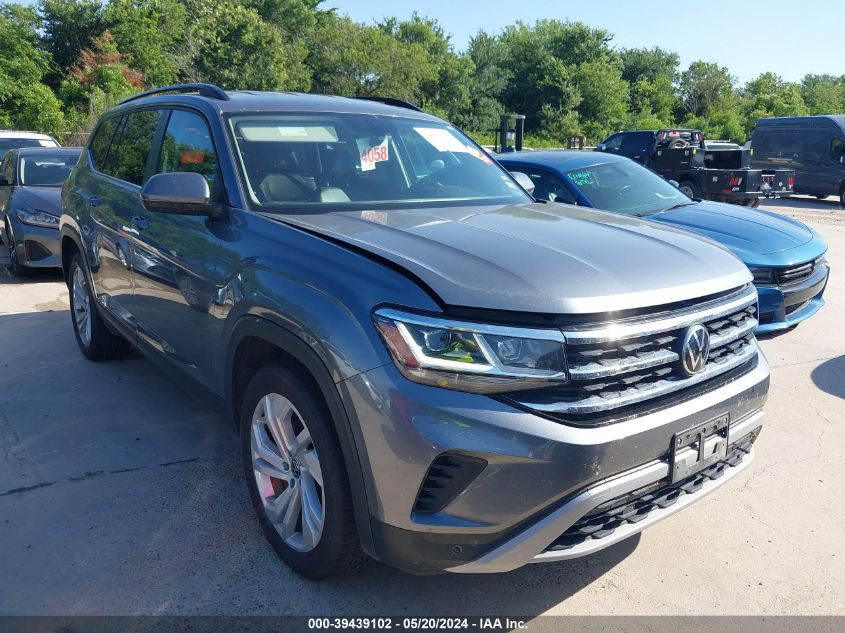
x=370 y=155
x=379 y=217
x=581 y=178
x=261 y=132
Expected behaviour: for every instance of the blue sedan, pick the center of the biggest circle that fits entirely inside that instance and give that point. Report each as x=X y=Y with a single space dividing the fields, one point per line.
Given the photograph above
x=785 y=256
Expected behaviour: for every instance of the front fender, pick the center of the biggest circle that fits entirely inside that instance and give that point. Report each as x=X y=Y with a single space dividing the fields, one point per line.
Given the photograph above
x=269 y=328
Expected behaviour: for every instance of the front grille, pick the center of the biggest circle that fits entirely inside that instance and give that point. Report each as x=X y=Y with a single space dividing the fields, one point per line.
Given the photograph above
x=617 y=364
x=636 y=506
x=794 y=274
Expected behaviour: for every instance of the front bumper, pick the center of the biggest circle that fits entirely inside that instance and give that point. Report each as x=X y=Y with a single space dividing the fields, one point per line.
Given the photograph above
x=36 y=246
x=541 y=477
x=782 y=307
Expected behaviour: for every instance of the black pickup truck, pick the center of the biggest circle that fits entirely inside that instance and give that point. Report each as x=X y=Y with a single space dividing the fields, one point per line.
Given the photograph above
x=720 y=171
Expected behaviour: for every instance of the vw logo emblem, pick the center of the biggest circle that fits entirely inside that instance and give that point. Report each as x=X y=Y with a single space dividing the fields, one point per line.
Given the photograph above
x=695 y=349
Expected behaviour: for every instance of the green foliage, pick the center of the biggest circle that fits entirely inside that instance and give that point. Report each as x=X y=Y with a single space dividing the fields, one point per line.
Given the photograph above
x=25 y=102
x=767 y=96
x=824 y=94
x=64 y=62
x=237 y=49
x=703 y=86
x=70 y=26
x=153 y=35
x=351 y=59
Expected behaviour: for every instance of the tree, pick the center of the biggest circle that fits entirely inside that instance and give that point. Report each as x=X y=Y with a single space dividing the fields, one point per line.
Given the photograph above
x=351 y=59
x=237 y=49
x=25 y=101
x=824 y=94
x=704 y=85
x=651 y=74
x=564 y=76
x=100 y=78
x=69 y=27
x=488 y=82
x=152 y=33
x=767 y=96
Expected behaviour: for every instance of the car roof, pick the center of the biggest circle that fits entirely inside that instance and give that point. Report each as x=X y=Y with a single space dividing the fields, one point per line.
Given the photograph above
x=247 y=101
x=28 y=135
x=839 y=119
x=560 y=159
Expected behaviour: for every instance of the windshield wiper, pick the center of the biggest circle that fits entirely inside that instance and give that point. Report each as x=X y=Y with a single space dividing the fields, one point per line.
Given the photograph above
x=676 y=206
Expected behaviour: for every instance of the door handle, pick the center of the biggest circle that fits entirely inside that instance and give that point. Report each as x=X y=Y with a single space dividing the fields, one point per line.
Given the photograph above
x=141 y=222
x=94 y=201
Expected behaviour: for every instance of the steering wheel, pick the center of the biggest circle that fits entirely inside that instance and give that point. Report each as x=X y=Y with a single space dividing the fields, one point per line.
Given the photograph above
x=427 y=182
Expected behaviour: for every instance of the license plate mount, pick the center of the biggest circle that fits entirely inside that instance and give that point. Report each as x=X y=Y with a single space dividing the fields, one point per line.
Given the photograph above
x=709 y=444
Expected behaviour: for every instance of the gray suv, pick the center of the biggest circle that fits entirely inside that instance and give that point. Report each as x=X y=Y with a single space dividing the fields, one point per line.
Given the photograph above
x=425 y=365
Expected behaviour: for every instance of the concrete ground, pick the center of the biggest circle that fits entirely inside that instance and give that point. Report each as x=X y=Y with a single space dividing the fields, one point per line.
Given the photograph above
x=121 y=492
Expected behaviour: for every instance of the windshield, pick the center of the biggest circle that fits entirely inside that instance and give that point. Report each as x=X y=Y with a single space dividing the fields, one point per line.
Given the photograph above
x=46 y=170
x=325 y=160
x=626 y=187
x=13 y=143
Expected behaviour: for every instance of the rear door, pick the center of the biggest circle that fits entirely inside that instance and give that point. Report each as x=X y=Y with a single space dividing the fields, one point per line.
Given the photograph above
x=109 y=191
x=181 y=264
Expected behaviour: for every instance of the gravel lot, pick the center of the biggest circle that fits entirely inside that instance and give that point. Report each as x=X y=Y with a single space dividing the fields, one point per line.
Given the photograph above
x=121 y=493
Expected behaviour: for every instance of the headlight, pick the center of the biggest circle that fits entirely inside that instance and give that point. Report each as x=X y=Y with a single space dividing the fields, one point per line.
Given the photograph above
x=38 y=218
x=471 y=356
x=762 y=275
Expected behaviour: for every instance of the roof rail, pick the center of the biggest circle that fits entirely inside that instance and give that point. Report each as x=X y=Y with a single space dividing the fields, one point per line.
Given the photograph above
x=206 y=90
x=392 y=102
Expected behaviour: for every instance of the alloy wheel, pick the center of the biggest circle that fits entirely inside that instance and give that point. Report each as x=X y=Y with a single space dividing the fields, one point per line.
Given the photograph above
x=81 y=306
x=287 y=472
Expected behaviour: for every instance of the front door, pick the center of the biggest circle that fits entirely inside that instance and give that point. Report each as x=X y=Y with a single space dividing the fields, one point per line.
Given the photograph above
x=181 y=264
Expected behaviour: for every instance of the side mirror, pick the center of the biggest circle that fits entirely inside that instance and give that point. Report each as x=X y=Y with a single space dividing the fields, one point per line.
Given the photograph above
x=184 y=193
x=602 y=147
x=524 y=181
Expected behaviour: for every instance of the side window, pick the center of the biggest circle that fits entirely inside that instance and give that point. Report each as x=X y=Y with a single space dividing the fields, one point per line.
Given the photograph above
x=101 y=142
x=837 y=150
x=549 y=187
x=638 y=143
x=130 y=149
x=8 y=167
x=187 y=146
x=614 y=142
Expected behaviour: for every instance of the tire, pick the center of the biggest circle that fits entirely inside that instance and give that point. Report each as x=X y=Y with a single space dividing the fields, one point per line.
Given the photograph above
x=96 y=341
x=302 y=466
x=842 y=197
x=678 y=144
x=689 y=187
x=15 y=267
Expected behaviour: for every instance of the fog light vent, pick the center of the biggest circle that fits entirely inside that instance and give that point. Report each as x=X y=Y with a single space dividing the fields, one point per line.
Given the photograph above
x=447 y=477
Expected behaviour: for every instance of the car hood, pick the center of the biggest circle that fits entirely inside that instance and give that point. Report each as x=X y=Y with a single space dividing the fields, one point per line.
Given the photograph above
x=545 y=258
x=47 y=199
x=750 y=233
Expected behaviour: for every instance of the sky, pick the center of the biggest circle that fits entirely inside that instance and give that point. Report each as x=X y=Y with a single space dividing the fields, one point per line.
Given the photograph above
x=788 y=37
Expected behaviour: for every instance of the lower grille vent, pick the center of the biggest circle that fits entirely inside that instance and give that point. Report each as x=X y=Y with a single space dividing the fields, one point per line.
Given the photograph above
x=447 y=477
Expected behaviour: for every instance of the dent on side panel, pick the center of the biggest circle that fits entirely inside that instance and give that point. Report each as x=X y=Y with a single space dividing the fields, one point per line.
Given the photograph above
x=322 y=293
